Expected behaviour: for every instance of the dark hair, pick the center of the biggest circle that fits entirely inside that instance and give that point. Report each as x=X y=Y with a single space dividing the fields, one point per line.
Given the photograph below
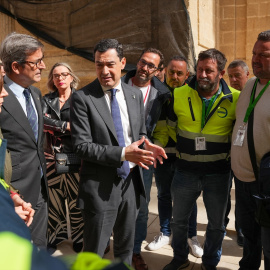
x=1 y=82
x=214 y=54
x=238 y=63
x=264 y=36
x=17 y=47
x=73 y=84
x=156 y=51
x=106 y=44
x=180 y=58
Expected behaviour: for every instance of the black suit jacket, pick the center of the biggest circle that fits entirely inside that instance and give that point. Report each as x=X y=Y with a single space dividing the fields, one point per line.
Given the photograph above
x=26 y=154
x=95 y=141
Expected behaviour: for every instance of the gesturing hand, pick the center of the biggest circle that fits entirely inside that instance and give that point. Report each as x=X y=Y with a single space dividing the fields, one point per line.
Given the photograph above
x=158 y=152
x=144 y=157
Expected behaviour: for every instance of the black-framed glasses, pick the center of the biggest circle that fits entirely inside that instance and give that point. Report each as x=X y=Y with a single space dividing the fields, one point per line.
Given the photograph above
x=150 y=66
x=62 y=74
x=39 y=63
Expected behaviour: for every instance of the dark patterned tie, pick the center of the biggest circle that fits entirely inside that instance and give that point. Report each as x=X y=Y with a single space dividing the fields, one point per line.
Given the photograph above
x=31 y=114
x=122 y=172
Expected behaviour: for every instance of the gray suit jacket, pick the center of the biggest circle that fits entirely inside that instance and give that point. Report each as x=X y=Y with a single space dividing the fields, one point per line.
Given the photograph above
x=95 y=141
x=26 y=154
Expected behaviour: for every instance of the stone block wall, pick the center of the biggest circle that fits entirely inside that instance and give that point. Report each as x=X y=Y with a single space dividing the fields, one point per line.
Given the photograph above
x=230 y=26
x=235 y=24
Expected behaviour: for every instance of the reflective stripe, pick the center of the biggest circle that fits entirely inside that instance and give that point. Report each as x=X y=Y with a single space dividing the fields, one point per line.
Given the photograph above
x=4 y=184
x=170 y=150
x=161 y=123
x=204 y=158
x=16 y=252
x=209 y=137
x=171 y=123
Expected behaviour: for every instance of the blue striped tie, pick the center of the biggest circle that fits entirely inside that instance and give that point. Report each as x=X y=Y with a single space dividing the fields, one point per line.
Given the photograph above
x=124 y=170
x=31 y=114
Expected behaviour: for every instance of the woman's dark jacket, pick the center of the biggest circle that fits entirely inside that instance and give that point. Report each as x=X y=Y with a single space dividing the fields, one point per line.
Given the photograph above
x=56 y=120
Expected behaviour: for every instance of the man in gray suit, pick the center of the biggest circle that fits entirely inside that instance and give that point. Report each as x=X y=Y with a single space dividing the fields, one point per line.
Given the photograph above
x=21 y=122
x=109 y=198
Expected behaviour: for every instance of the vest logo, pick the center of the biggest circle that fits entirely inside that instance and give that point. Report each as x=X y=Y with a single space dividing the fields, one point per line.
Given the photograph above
x=222 y=112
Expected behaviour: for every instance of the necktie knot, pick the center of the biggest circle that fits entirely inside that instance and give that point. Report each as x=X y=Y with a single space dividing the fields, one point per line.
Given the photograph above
x=113 y=92
x=26 y=93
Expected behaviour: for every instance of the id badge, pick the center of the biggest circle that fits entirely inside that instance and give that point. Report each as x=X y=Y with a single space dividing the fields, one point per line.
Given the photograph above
x=200 y=143
x=240 y=135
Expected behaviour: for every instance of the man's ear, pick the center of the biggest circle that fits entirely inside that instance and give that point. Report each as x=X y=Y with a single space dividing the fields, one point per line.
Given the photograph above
x=221 y=74
x=15 y=67
x=123 y=62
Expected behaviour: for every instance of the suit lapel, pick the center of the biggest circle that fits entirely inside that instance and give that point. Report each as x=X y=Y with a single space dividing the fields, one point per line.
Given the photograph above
x=98 y=98
x=132 y=106
x=14 y=108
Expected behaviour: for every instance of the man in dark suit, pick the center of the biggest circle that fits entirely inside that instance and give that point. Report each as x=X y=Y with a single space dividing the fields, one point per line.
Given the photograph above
x=109 y=198
x=21 y=122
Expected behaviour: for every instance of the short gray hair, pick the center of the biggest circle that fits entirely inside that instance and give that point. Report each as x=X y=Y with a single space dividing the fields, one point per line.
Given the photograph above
x=74 y=83
x=238 y=63
x=16 y=48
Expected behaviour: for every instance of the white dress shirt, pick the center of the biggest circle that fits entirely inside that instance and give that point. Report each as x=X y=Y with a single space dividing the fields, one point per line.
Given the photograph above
x=18 y=92
x=124 y=116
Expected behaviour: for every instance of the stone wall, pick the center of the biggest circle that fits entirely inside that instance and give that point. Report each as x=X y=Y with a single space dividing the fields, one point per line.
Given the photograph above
x=231 y=26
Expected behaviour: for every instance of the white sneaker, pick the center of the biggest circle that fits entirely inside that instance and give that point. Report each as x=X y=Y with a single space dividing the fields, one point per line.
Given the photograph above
x=159 y=241
x=195 y=248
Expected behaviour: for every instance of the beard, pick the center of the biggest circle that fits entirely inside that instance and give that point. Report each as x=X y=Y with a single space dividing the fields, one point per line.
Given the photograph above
x=206 y=85
x=261 y=73
x=143 y=76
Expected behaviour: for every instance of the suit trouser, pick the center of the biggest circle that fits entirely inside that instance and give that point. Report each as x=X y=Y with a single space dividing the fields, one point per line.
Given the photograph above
x=119 y=217
x=39 y=225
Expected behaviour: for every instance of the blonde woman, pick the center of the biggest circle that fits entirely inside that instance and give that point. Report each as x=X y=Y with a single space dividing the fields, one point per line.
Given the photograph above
x=62 y=187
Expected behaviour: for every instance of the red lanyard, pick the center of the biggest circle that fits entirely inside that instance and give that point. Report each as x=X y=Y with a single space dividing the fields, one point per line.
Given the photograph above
x=147 y=91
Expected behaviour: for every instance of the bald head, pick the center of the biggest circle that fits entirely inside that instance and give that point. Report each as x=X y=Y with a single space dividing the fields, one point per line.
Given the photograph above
x=177 y=71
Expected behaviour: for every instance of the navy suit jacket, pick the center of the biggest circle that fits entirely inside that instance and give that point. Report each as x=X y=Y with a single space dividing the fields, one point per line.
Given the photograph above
x=95 y=141
x=27 y=155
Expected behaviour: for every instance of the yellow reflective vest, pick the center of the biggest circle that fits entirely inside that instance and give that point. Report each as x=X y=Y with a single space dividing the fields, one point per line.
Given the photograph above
x=185 y=125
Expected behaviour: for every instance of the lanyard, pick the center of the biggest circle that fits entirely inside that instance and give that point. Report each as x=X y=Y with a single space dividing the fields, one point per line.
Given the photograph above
x=147 y=91
x=146 y=94
x=205 y=114
x=252 y=102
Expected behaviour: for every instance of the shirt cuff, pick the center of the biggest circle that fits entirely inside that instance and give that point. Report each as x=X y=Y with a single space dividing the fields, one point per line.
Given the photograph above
x=123 y=158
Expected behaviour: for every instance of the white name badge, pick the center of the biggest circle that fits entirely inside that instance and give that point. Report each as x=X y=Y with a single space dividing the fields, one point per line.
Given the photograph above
x=200 y=143
x=240 y=136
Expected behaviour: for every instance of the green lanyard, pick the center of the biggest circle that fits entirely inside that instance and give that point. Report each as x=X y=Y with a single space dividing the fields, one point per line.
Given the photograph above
x=252 y=102
x=204 y=115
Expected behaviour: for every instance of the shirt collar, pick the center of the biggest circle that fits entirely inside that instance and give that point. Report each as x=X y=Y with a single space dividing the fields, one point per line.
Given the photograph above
x=118 y=87
x=14 y=87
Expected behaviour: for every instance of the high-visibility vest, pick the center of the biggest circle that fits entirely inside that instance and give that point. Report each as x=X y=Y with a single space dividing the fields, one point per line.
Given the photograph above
x=217 y=130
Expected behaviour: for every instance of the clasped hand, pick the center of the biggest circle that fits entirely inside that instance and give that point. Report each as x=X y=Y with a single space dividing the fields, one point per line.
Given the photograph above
x=147 y=156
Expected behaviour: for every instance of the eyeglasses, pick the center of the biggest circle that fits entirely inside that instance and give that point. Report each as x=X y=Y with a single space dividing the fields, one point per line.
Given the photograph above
x=150 y=66
x=63 y=75
x=39 y=63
